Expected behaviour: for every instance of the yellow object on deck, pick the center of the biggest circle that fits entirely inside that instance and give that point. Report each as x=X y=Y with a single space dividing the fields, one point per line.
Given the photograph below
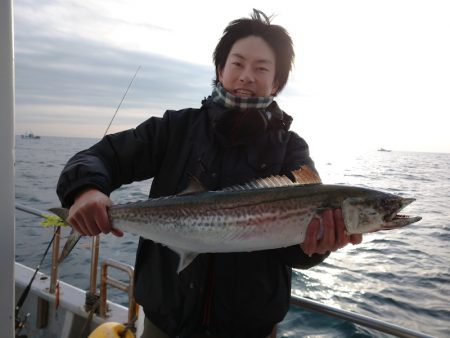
x=111 y=330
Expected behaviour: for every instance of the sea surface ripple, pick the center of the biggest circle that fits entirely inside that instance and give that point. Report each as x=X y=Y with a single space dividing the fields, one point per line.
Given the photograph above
x=401 y=276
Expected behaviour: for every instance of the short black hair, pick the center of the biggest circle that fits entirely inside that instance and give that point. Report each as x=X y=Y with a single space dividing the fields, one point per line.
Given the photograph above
x=258 y=25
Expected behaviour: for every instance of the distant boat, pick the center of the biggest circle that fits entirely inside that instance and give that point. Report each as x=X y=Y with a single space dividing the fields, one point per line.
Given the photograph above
x=382 y=149
x=29 y=135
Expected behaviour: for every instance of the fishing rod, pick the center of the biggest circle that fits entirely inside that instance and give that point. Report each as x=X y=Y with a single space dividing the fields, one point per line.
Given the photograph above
x=30 y=210
x=91 y=296
x=42 y=214
x=21 y=323
x=123 y=98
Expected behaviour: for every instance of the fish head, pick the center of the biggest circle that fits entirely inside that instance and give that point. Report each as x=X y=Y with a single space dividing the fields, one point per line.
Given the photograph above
x=374 y=213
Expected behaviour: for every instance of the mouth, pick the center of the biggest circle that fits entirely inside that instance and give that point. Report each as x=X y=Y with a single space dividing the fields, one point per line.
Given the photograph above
x=396 y=220
x=243 y=92
x=400 y=220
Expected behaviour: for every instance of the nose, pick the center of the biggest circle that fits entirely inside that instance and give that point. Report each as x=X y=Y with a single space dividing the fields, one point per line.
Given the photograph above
x=246 y=76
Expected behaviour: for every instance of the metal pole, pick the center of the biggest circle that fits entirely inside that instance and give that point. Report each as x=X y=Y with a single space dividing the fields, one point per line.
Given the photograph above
x=31 y=211
x=356 y=318
x=94 y=264
x=7 y=222
x=55 y=257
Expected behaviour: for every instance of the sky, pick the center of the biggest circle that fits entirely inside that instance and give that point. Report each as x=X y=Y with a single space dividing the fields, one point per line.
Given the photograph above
x=367 y=74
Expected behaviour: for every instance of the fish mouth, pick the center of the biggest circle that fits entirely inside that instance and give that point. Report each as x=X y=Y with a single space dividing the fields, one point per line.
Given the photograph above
x=399 y=221
x=395 y=220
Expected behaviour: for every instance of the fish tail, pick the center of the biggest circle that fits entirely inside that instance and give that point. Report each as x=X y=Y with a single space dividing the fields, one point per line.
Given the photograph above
x=74 y=236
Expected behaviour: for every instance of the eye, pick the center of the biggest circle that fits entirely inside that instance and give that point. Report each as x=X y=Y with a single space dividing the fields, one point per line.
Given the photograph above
x=236 y=63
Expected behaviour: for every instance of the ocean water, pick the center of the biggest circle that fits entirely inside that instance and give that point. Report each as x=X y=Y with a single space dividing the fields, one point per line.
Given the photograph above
x=401 y=276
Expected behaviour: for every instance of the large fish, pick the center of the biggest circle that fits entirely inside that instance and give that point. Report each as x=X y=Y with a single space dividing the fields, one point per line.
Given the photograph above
x=264 y=214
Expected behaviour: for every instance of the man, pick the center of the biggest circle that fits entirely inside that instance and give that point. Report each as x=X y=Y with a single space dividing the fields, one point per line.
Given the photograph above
x=239 y=133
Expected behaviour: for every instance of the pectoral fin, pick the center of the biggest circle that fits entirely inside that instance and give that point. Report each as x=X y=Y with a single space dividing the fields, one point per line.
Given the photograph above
x=185 y=258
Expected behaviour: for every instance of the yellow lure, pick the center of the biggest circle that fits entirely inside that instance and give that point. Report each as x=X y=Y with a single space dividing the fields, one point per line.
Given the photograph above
x=52 y=220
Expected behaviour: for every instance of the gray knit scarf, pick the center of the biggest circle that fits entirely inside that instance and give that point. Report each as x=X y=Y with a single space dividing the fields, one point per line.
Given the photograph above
x=221 y=96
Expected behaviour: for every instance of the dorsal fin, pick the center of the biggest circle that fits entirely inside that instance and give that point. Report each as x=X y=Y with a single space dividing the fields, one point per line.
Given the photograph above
x=303 y=176
x=306 y=175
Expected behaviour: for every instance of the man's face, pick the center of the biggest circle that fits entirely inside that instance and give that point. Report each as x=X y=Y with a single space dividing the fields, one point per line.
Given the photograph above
x=250 y=68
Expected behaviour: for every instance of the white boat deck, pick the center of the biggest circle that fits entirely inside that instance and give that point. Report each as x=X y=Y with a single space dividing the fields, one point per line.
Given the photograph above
x=60 y=316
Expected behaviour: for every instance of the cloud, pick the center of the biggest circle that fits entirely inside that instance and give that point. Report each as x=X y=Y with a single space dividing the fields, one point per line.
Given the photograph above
x=57 y=77
x=75 y=59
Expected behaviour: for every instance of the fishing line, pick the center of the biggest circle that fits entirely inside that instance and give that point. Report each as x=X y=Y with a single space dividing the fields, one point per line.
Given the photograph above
x=123 y=98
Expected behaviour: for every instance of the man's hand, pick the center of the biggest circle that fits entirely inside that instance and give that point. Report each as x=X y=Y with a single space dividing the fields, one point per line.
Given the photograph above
x=88 y=215
x=334 y=235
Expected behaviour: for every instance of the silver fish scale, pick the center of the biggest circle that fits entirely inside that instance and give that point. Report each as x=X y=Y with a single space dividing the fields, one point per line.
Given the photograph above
x=207 y=228
x=248 y=220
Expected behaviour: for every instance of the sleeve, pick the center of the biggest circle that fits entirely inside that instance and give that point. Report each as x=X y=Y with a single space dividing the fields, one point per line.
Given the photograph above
x=294 y=257
x=117 y=159
x=297 y=154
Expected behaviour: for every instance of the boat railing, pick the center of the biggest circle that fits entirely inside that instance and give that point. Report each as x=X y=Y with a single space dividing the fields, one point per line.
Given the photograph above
x=356 y=318
x=55 y=245
x=118 y=284
x=365 y=321
x=91 y=296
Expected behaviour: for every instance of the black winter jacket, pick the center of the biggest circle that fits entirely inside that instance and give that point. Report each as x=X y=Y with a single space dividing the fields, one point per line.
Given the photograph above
x=228 y=294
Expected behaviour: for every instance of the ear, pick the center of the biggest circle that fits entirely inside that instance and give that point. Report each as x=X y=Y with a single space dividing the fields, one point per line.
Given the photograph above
x=219 y=74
